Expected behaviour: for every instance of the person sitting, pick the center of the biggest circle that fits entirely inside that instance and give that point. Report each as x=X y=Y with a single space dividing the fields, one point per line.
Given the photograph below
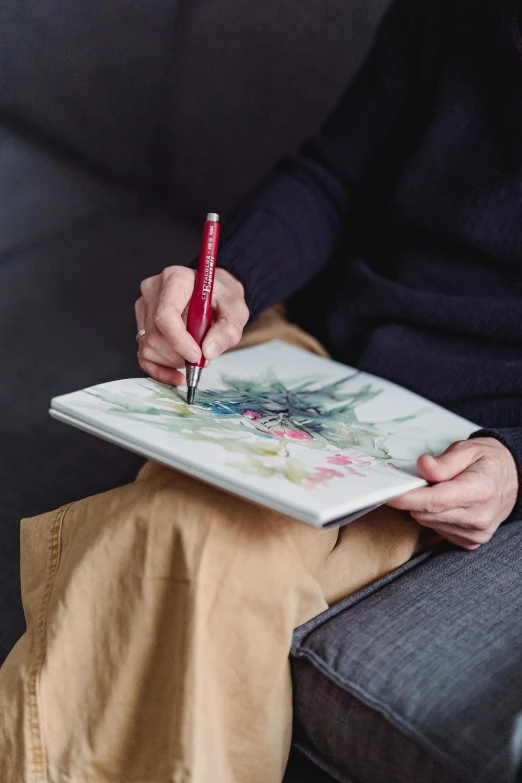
x=160 y=614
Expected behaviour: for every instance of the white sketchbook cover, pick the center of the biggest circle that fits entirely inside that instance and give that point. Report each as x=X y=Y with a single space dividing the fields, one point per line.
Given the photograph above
x=301 y=434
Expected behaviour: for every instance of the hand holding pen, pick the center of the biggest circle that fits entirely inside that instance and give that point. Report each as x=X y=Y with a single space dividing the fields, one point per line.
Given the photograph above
x=165 y=345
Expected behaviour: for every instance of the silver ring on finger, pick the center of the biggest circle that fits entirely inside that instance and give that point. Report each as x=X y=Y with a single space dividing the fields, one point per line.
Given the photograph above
x=140 y=335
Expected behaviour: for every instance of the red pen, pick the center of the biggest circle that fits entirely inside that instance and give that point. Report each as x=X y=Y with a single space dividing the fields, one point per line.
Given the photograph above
x=199 y=316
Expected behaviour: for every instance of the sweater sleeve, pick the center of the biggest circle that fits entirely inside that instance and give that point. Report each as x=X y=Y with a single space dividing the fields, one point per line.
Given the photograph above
x=511 y=438
x=286 y=232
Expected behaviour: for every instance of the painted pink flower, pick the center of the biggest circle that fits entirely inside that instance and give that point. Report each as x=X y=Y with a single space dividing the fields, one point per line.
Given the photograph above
x=321 y=476
x=362 y=463
x=354 y=472
x=339 y=459
x=298 y=435
x=312 y=481
x=318 y=478
x=329 y=472
x=254 y=415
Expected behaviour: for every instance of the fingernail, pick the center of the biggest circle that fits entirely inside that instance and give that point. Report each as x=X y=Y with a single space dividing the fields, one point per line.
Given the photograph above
x=193 y=357
x=211 y=349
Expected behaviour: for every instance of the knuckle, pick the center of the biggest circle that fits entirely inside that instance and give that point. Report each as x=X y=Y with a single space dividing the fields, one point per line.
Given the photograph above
x=146 y=352
x=481 y=524
x=168 y=272
x=148 y=346
x=163 y=320
x=481 y=519
x=243 y=312
x=484 y=537
x=490 y=490
x=434 y=506
x=156 y=344
x=479 y=537
x=229 y=299
x=160 y=316
x=180 y=272
x=459 y=445
x=145 y=286
x=231 y=332
x=484 y=492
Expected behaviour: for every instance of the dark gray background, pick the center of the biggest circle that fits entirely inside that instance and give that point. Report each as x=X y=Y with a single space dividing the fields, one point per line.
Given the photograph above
x=199 y=97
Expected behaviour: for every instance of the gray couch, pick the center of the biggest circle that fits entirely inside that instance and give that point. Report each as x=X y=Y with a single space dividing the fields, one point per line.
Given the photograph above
x=121 y=124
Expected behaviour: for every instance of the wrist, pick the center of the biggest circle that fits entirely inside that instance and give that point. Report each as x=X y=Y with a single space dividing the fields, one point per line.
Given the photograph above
x=511 y=441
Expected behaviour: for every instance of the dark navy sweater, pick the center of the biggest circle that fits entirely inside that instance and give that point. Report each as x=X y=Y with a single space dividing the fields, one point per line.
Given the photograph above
x=396 y=233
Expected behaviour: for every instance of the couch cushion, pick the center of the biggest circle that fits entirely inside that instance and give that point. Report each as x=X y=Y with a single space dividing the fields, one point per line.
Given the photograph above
x=67 y=321
x=91 y=74
x=301 y=770
x=420 y=679
x=222 y=90
x=249 y=81
x=41 y=194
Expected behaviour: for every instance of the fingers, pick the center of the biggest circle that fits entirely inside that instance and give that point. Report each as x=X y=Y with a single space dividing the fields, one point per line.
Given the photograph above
x=462 y=492
x=459 y=527
x=154 y=348
x=177 y=284
x=454 y=474
x=167 y=345
x=464 y=507
x=148 y=357
x=139 y=312
x=461 y=541
x=224 y=334
x=456 y=514
x=167 y=375
x=456 y=459
x=231 y=317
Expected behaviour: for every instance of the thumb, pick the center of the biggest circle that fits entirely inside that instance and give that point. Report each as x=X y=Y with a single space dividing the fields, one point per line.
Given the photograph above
x=225 y=333
x=232 y=315
x=456 y=459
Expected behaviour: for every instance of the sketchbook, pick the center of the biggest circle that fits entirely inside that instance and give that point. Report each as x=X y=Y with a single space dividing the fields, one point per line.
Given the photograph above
x=304 y=435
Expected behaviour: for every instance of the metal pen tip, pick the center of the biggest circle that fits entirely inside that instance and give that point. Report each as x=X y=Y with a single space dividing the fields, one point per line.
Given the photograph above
x=191 y=391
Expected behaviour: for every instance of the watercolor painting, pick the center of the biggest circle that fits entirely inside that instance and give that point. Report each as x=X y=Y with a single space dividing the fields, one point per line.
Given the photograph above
x=269 y=426
x=292 y=431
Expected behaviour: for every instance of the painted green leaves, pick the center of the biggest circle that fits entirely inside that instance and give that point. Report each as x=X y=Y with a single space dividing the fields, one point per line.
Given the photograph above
x=275 y=428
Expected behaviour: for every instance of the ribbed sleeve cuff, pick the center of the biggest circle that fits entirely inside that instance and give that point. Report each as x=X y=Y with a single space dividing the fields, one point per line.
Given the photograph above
x=512 y=439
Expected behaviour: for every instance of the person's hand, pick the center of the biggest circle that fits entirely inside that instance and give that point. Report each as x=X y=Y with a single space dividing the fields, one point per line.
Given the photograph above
x=475 y=489
x=161 y=311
